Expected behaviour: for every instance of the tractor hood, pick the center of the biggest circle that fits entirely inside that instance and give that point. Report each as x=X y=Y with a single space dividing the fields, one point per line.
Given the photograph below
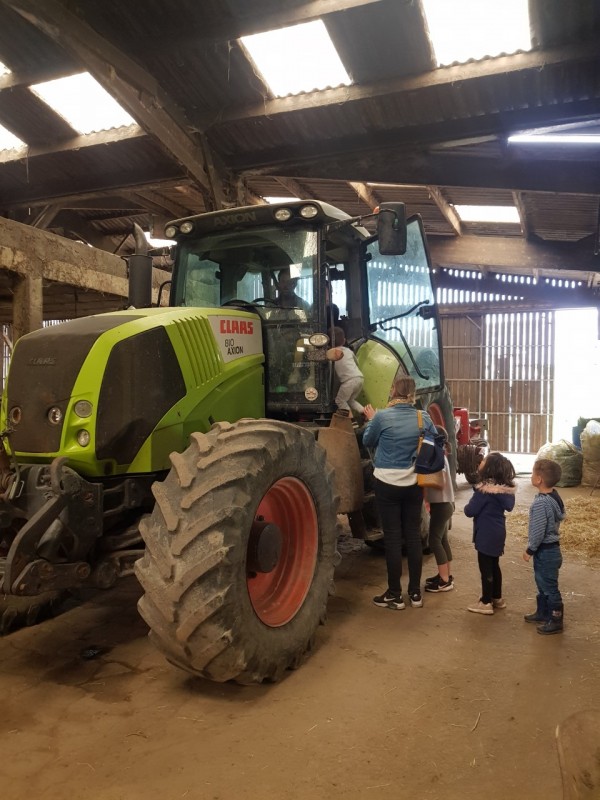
x=116 y=376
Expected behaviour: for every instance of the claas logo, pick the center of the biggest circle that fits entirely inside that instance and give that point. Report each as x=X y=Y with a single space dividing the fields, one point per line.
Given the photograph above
x=236 y=326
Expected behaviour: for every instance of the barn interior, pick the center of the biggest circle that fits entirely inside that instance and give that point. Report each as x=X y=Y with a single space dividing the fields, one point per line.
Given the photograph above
x=498 y=152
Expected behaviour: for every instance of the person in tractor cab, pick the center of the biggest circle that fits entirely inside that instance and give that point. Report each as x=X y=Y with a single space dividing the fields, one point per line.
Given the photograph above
x=332 y=312
x=394 y=432
x=286 y=292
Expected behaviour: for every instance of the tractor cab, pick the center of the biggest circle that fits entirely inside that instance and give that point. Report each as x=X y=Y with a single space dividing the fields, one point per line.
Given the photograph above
x=304 y=268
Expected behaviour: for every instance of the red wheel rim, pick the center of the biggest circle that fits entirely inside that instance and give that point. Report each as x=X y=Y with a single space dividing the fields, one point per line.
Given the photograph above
x=277 y=596
x=437 y=417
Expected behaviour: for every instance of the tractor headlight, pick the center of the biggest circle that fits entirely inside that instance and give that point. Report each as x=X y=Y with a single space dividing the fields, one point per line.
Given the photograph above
x=171 y=231
x=83 y=408
x=83 y=438
x=309 y=212
x=319 y=339
x=282 y=214
x=55 y=415
x=186 y=227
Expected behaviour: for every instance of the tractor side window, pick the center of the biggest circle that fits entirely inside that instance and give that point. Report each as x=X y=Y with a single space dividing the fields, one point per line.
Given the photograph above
x=202 y=285
x=398 y=287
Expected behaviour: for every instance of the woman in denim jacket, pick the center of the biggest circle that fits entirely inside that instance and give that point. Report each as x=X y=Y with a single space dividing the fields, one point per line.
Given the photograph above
x=394 y=432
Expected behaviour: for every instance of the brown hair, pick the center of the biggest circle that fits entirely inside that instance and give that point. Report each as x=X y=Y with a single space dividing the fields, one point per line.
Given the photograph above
x=339 y=337
x=498 y=469
x=404 y=388
x=549 y=471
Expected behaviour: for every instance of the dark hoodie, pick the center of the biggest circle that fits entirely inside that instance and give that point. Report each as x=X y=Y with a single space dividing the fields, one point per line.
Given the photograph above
x=488 y=505
x=545 y=515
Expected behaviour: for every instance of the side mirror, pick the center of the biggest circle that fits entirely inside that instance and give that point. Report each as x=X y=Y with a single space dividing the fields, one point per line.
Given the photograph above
x=391 y=229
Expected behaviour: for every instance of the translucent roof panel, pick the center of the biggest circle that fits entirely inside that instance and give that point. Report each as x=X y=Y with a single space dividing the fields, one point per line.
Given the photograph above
x=83 y=103
x=488 y=213
x=8 y=141
x=275 y=200
x=298 y=59
x=472 y=29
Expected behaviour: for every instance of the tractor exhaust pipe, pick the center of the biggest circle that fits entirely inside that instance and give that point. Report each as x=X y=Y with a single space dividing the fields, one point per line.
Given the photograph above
x=139 y=271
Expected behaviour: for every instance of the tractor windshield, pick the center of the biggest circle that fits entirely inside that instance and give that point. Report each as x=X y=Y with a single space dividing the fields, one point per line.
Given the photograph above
x=269 y=266
x=401 y=303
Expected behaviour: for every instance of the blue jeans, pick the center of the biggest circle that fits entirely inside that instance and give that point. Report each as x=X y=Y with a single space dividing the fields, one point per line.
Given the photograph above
x=546 y=563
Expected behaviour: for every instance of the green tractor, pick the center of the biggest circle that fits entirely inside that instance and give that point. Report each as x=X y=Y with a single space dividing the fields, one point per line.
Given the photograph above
x=198 y=443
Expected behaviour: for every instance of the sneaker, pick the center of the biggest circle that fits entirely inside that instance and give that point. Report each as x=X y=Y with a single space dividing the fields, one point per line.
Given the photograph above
x=440 y=586
x=389 y=600
x=436 y=578
x=481 y=608
x=499 y=603
x=416 y=600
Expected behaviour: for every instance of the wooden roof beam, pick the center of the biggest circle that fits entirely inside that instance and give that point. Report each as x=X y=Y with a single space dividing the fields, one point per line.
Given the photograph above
x=224 y=27
x=157 y=203
x=127 y=82
x=366 y=194
x=448 y=211
x=99 y=139
x=368 y=160
x=11 y=80
x=507 y=253
x=520 y=63
x=518 y=200
x=92 y=198
x=296 y=187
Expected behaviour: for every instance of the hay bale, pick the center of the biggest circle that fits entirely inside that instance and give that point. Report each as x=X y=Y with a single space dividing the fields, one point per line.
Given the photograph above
x=569 y=458
x=579 y=531
x=590 y=446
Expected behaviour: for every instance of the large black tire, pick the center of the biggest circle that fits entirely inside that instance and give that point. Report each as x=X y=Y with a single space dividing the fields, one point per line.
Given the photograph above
x=205 y=611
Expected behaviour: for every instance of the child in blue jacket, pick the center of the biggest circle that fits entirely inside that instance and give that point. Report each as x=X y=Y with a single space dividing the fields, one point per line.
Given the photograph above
x=492 y=498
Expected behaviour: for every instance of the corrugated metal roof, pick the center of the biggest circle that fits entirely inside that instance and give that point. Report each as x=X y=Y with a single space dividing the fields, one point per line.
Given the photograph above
x=403 y=122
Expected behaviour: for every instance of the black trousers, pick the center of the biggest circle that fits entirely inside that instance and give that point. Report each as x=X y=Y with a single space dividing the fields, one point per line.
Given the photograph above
x=491 y=577
x=400 y=510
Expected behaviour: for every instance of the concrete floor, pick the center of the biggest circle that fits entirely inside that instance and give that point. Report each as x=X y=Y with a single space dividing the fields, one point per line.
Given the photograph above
x=422 y=703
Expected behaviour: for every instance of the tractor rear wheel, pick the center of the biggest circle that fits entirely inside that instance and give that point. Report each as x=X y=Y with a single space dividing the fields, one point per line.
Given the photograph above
x=439 y=407
x=240 y=551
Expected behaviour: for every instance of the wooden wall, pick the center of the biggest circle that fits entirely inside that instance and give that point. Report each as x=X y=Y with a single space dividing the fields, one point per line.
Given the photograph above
x=501 y=367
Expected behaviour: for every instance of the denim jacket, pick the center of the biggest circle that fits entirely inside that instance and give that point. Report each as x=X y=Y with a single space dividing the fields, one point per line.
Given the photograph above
x=394 y=431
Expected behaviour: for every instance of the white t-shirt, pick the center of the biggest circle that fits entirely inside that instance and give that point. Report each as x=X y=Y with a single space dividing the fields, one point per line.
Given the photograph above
x=347 y=366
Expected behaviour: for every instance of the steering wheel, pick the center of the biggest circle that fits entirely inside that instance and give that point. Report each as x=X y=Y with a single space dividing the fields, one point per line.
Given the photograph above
x=236 y=302
x=266 y=301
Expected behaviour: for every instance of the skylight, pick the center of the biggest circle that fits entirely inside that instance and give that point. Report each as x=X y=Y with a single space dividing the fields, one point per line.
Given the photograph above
x=155 y=242
x=506 y=214
x=301 y=58
x=465 y=29
x=8 y=141
x=275 y=200
x=83 y=103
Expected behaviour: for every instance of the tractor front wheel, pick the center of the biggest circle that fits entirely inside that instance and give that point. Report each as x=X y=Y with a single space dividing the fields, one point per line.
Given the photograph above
x=240 y=551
